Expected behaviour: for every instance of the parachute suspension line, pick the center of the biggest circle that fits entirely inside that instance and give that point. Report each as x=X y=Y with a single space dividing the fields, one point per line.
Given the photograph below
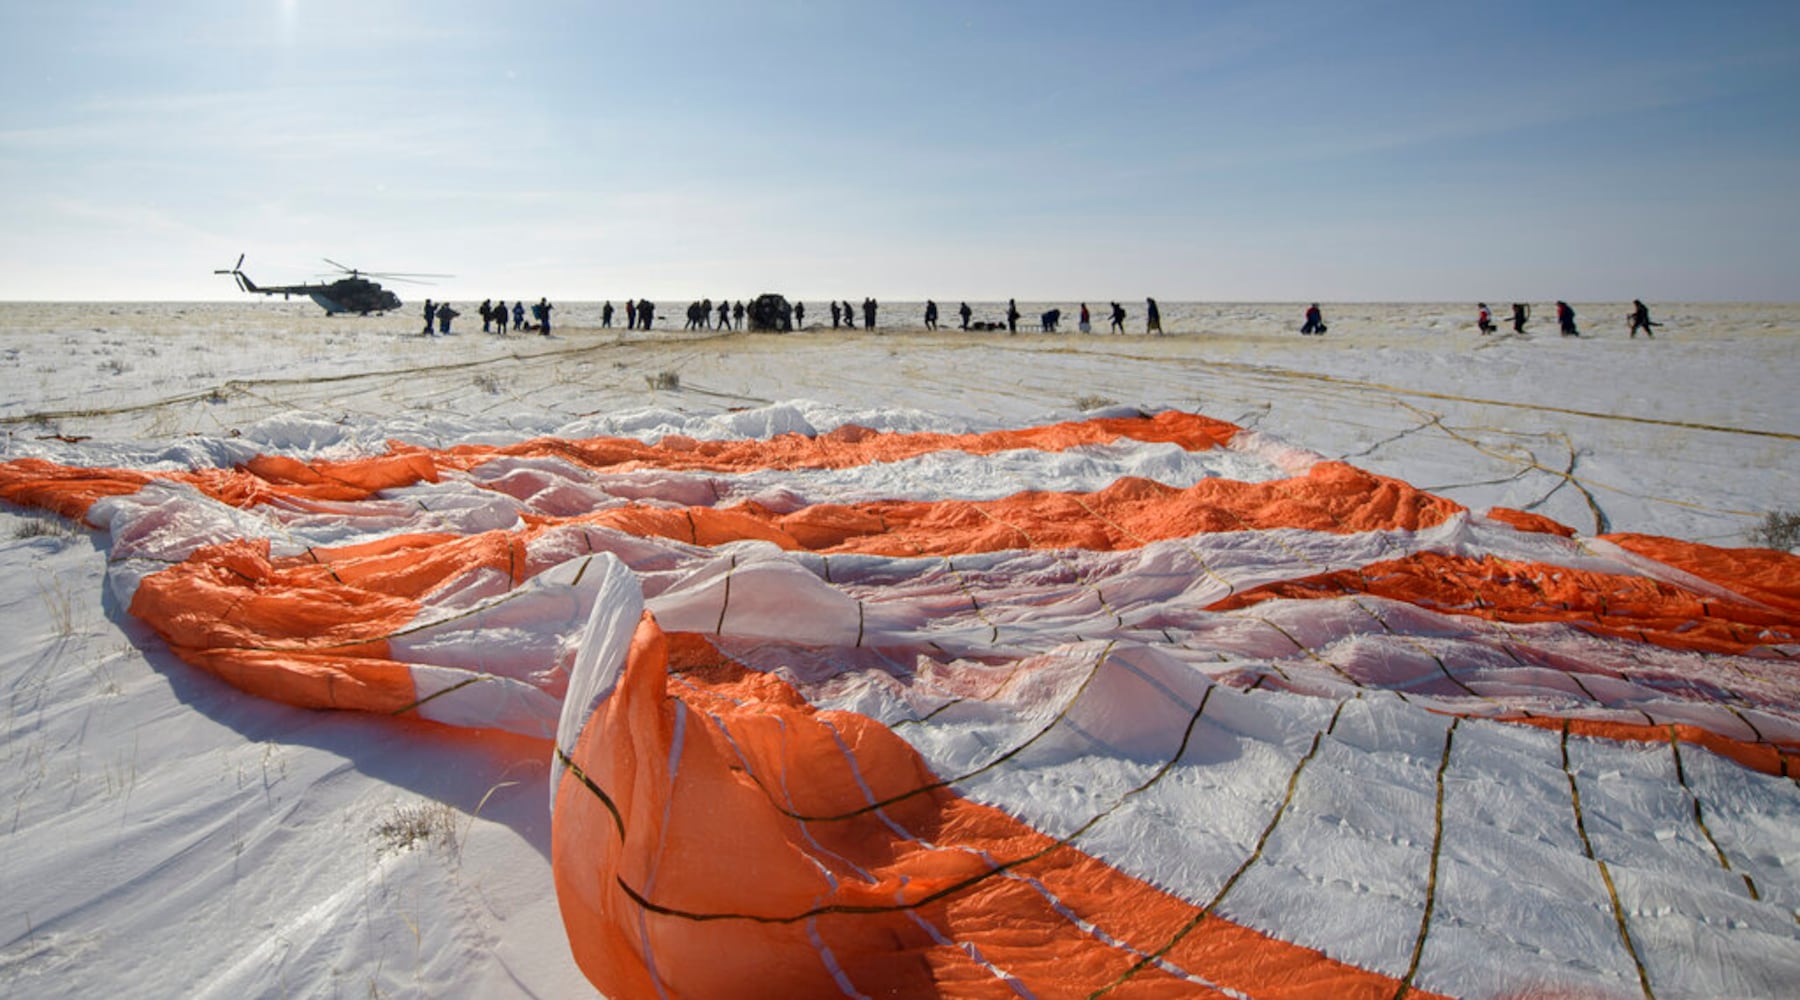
x=861 y=611
x=459 y=685
x=1030 y=543
x=1415 y=643
x=1205 y=567
x=1061 y=555
x=563 y=757
x=1431 y=878
x=1587 y=847
x=1564 y=477
x=1700 y=816
x=1262 y=842
x=974 y=604
x=1310 y=653
x=725 y=599
x=314 y=556
x=932 y=786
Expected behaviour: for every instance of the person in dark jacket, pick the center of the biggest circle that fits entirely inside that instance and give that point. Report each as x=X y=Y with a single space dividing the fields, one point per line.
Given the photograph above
x=1640 y=317
x=1315 y=322
x=1565 y=319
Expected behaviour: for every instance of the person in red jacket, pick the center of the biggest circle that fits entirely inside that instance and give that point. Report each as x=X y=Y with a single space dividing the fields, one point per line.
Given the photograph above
x=1315 y=322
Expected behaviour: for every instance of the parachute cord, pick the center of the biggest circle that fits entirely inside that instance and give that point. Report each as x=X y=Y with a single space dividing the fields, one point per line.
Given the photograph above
x=1612 y=892
x=606 y=800
x=725 y=600
x=974 y=603
x=1431 y=879
x=1700 y=816
x=1255 y=854
x=476 y=679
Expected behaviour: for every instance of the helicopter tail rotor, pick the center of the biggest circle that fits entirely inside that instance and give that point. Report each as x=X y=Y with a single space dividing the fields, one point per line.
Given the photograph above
x=237 y=271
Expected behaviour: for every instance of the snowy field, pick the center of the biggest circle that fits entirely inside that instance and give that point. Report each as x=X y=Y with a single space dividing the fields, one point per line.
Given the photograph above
x=164 y=834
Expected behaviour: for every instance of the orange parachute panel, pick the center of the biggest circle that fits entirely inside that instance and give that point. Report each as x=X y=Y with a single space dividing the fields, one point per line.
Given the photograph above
x=1766 y=575
x=850 y=446
x=1131 y=512
x=310 y=680
x=1625 y=607
x=284 y=629
x=63 y=489
x=687 y=865
x=70 y=491
x=1527 y=521
x=414 y=566
x=234 y=595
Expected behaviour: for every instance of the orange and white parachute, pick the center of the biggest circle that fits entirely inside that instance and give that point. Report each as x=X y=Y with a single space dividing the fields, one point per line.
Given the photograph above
x=1128 y=706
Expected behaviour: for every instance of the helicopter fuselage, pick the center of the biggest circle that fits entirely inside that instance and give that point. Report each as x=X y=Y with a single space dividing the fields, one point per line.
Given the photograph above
x=354 y=294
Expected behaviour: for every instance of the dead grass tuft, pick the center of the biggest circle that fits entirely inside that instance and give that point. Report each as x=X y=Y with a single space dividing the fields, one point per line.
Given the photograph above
x=1780 y=529
x=411 y=824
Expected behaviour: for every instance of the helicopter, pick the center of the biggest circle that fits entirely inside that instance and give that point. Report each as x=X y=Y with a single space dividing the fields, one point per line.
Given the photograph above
x=353 y=292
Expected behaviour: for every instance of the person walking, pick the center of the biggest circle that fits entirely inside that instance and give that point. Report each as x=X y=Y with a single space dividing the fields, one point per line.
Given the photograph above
x=1152 y=317
x=965 y=312
x=519 y=315
x=543 y=310
x=1565 y=319
x=799 y=315
x=1085 y=326
x=430 y=316
x=1640 y=317
x=869 y=314
x=737 y=313
x=487 y=313
x=500 y=317
x=1521 y=314
x=837 y=315
x=1484 y=320
x=1012 y=316
x=630 y=314
x=606 y=315
x=931 y=314
x=1118 y=318
x=445 y=314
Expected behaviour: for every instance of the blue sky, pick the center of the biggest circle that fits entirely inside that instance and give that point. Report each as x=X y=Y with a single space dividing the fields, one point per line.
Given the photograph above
x=1238 y=151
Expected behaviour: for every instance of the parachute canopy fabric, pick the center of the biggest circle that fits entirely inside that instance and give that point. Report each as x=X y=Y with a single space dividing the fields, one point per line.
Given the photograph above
x=1126 y=706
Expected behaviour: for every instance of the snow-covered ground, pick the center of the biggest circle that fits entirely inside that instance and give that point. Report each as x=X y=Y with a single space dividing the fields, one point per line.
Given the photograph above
x=162 y=833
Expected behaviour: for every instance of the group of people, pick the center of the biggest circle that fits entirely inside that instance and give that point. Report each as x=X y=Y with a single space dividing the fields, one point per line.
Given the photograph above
x=640 y=313
x=845 y=314
x=494 y=316
x=699 y=314
x=1639 y=318
x=1049 y=321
